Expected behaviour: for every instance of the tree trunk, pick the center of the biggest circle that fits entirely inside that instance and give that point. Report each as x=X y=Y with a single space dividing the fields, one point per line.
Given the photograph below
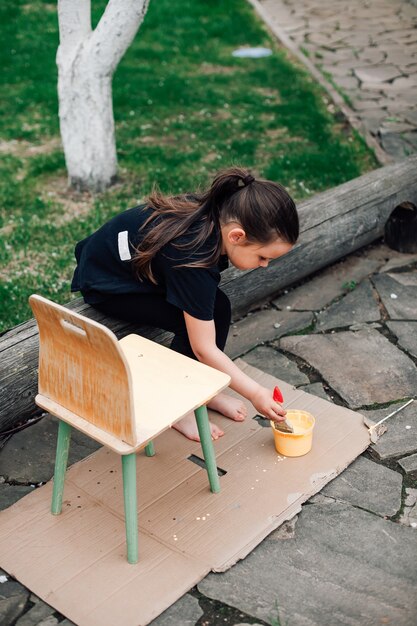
x=86 y=121
x=86 y=62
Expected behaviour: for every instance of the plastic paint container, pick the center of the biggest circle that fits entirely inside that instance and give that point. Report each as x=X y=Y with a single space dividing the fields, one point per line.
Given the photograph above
x=300 y=441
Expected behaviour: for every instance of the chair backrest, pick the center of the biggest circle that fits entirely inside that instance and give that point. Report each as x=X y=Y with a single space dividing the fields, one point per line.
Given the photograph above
x=82 y=368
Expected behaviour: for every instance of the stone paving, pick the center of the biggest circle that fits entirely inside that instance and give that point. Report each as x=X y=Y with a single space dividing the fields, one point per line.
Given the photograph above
x=350 y=555
x=367 y=50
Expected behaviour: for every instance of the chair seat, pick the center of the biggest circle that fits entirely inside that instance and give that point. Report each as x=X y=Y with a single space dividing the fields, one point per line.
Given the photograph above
x=166 y=385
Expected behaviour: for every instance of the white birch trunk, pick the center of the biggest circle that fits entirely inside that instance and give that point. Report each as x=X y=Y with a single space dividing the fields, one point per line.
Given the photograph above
x=86 y=62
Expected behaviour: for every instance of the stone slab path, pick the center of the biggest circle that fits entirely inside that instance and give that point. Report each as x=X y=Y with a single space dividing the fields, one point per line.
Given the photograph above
x=340 y=335
x=367 y=52
x=343 y=358
x=343 y=566
x=358 y=306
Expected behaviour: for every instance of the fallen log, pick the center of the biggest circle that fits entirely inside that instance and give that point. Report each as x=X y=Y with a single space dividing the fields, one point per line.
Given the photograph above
x=333 y=224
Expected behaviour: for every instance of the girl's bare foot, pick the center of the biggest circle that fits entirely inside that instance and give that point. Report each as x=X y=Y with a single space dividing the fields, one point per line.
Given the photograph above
x=229 y=407
x=222 y=403
x=188 y=427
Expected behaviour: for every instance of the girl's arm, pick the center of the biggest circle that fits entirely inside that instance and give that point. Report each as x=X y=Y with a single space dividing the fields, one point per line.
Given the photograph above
x=202 y=336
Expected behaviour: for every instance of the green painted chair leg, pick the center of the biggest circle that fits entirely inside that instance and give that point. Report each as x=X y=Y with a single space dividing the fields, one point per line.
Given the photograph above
x=61 y=460
x=203 y=426
x=150 y=449
x=131 y=511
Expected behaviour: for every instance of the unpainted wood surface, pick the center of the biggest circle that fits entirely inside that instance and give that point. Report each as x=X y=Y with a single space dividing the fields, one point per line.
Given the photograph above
x=107 y=439
x=333 y=224
x=166 y=385
x=81 y=368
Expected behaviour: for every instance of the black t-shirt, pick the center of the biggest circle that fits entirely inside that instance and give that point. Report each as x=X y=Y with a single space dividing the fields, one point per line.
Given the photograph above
x=105 y=266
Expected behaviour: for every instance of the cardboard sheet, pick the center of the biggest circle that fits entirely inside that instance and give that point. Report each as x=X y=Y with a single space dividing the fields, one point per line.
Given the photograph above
x=76 y=561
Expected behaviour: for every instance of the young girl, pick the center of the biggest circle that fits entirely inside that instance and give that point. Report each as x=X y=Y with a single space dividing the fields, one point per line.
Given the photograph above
x=159 y=264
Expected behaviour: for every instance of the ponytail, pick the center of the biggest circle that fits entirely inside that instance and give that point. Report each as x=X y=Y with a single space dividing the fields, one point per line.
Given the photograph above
x=225 y=185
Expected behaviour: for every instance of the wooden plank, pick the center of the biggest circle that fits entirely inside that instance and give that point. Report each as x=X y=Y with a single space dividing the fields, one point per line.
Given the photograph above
x=333 y=224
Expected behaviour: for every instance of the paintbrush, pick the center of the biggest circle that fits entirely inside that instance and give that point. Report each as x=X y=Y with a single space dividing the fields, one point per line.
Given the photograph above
x=283 y=425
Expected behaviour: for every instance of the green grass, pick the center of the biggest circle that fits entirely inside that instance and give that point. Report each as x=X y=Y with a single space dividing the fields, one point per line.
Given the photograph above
x=350 y=285
x=184 y=108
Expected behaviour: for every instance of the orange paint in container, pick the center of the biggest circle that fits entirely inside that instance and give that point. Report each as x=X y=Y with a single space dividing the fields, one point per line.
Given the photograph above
x=298 y=442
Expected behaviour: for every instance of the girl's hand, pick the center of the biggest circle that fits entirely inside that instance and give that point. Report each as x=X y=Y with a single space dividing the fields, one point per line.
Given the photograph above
x=264 y=403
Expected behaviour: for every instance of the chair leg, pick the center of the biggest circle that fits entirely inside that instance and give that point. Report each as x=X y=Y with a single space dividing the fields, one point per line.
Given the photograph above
x=61 y=460
x=150 y=449
x=131 y=511
x=203 y=426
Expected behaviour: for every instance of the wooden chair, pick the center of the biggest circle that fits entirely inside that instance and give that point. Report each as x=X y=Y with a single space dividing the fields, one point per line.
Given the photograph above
x=120 y=393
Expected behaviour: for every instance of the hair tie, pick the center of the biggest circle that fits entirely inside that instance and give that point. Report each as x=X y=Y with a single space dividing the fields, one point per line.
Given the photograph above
x=244 y=181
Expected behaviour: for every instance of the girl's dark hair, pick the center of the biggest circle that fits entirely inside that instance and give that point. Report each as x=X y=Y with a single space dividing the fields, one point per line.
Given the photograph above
x=263 y=208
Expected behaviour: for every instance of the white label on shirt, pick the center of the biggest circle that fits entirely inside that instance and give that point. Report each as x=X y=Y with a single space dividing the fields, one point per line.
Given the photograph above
x=123 y=244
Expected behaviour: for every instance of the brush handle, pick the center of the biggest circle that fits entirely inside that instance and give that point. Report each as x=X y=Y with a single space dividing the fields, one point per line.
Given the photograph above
x=277 y=395
x=282 y=425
